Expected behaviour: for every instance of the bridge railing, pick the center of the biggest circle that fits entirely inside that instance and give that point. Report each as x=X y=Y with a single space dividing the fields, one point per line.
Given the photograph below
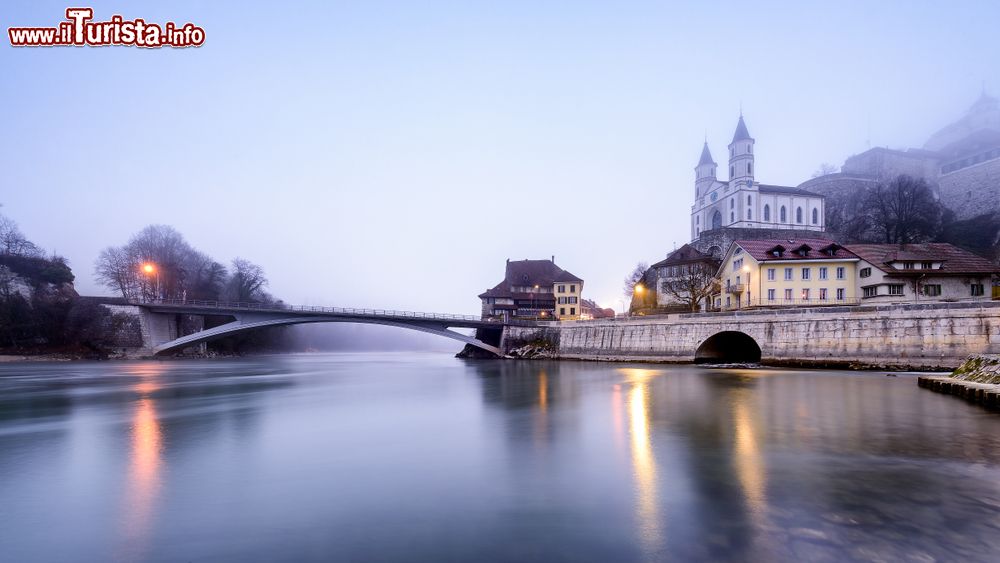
x=281 y=307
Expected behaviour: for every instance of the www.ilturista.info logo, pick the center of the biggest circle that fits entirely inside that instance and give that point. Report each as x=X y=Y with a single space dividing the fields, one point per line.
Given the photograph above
x=79 y=30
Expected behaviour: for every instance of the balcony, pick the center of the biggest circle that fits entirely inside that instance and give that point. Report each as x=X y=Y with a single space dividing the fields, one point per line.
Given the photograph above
x=736 y=288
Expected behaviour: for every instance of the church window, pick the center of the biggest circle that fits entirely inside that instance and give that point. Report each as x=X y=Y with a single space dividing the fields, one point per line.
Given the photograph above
x=782 y=214
x=697 y=219
x=798 y=214
x=749 y=200
x=749 y=215
x=716 y=220
x=749 y=149
x=732 y=203
x=767 y=212
x=815 y=216
x=732 y=217
x=732 y=171
x=732 y=151
x=749 y=168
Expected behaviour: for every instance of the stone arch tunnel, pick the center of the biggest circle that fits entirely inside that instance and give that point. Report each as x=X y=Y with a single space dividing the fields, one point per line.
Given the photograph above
x=728 y=347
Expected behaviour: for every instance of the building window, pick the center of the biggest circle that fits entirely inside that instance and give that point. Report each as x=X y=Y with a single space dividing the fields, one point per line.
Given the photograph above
x=822 y=272
x=770 y=274
x=562 y=310
x=732 y=203
x=907 y=265
x=767 y=212
x=572 y=300
x=822 y=294
x=562 y=289
x=840 y=272
x=572 y=289
x=895 y=289
x=932 y=289
x=805 y=294
x=728 y=302
x=840 y=294
x=749 y=215
x=788 y=274
x=798 y=214
x=697 y=219
x=815 y=216
x=805 y=273
x=749 y=200
x=788 y=294
x=782 y=215
x=770 y=295
x=870 y=291
x=977 y=289
x=865 y=272
x=572 y=310
x=749 y=169
x=926 y=265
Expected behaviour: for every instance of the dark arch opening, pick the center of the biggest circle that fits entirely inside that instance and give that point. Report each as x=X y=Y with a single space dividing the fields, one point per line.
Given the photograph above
x=726 y=348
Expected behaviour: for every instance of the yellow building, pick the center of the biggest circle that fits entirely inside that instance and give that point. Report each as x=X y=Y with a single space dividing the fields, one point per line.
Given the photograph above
x=778 y=272
x=569 y=304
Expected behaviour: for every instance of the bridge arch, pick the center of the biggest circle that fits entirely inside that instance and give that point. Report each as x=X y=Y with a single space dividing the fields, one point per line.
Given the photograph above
x=250 y=322
x=730 y=346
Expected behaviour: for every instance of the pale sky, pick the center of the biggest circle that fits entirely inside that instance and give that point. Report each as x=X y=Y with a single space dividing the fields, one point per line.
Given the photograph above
x=394 y=154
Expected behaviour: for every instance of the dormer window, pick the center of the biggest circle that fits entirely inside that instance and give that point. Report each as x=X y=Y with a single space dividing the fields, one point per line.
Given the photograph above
x=926 y=265
x=803 y=250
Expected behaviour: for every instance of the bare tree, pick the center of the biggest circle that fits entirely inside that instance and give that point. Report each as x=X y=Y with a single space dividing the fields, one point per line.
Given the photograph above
x=13 y=242
x=824 y=169
x=694 y=283
x=904 y=211
x=634 y=278
x=118 y=269
x=247 y=282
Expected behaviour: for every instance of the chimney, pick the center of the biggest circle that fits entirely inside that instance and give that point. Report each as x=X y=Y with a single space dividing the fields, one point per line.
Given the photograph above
x=553 y=258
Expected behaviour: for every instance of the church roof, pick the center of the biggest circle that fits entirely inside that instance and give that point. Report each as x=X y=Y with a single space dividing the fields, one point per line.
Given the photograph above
x=769 y=189
x=706 y=156
x=741 y=133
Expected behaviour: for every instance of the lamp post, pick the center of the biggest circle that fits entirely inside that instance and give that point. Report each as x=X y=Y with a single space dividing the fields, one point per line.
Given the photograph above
x=150 y=269
x=638 y=291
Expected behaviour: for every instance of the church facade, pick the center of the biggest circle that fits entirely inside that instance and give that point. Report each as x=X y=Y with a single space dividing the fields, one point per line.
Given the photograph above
x=741 y=202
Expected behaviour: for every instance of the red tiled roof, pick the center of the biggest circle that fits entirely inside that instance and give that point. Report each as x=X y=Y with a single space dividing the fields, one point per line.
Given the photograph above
x=686 y=254
x=543 y=273
x=954 y=260
x=761 y=250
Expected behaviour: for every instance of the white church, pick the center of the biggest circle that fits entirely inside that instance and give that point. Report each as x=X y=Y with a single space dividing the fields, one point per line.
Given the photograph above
x=743 y=203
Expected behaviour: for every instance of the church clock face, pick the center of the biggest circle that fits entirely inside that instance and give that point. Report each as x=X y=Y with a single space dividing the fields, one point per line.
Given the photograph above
x=714 y=196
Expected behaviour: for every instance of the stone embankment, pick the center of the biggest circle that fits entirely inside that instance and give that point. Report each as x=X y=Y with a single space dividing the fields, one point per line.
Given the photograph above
x=977 y=380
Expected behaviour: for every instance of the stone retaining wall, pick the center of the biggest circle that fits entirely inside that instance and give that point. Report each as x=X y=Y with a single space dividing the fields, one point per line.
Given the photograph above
x=929 y=336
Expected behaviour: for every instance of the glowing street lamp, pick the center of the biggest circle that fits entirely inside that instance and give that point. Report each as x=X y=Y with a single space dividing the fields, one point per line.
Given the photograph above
x=149 y=269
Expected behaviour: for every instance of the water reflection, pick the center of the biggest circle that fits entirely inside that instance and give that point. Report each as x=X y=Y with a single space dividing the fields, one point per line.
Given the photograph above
x=644 y=468
x=142 y=485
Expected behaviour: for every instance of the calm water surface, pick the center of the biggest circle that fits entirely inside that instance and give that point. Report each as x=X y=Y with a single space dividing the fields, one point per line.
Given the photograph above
x=429 y=458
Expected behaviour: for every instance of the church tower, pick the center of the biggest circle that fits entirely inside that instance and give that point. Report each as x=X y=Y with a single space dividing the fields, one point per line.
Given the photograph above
x=741 y=157
x=704 y=173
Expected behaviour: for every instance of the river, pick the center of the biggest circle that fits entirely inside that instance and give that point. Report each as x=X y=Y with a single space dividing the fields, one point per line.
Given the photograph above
x=424 y=457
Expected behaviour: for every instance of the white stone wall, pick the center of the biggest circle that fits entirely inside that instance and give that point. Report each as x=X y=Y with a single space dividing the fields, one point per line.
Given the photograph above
x=915 y=336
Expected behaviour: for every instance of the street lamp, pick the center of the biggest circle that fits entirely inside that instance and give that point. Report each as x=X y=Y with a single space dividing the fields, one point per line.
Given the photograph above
x=149 y=269
x=747 y=270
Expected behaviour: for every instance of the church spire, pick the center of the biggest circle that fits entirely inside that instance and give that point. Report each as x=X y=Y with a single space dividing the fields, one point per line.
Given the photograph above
x=706 y=155
x=741 y=133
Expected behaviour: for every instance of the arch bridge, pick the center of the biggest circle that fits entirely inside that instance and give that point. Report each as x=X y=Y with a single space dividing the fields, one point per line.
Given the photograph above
x=164 y=338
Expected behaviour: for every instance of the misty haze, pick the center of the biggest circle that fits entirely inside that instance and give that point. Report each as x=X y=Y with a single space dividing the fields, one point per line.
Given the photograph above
x=565 y=281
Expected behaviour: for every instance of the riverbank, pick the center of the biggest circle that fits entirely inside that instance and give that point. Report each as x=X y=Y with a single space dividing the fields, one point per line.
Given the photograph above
x=977 y=381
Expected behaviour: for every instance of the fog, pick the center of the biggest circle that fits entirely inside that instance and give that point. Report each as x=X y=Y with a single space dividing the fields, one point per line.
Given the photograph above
x=393 y=155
